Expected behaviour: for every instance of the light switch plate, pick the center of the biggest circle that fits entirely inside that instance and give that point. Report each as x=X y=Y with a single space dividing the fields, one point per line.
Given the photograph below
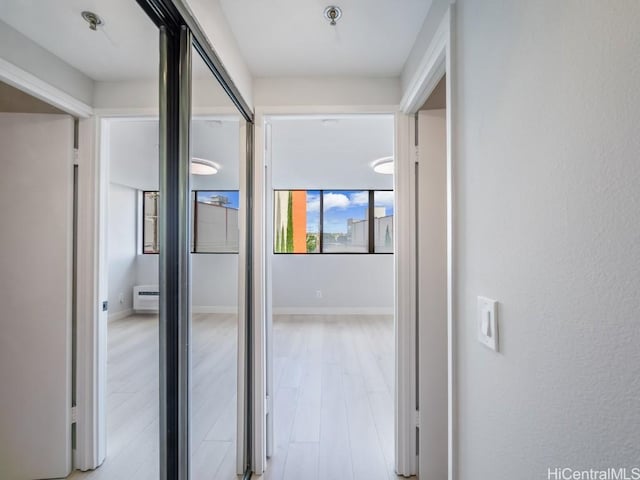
x=487 y=322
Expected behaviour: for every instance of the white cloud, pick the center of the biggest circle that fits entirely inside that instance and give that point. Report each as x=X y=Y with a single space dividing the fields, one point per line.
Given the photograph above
x=335 y=200
x=340 y=200
x=384 y=199
x=360 y=198
x=313 y=203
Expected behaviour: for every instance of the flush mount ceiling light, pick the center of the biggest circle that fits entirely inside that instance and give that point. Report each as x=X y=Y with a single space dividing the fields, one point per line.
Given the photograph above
x=93 y=20
x=333 y=14
x=383 y=165
x=200 y=166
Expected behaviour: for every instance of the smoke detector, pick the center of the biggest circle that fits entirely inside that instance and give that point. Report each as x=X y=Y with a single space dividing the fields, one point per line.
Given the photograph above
x=333 y=14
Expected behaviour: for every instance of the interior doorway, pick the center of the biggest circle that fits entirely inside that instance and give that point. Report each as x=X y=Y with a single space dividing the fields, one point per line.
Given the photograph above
x=38 y=193
x=330 y=242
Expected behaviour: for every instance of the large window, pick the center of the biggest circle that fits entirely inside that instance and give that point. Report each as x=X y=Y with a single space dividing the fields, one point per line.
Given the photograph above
x=333 y=221
x=214 y=222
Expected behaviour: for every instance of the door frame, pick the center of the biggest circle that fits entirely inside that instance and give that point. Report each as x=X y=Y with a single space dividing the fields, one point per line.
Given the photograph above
x=262 y=314
x=92 y=434
x=438 y=60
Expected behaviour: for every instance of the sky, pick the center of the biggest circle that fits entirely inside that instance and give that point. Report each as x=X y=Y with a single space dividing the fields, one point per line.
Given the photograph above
x=340 y=205
x=232 y=195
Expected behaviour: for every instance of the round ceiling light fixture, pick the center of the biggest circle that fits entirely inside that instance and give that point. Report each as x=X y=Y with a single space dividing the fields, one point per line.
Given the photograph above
x=92 y=19
x=383 y=165
x=333 y=14
x=200 y=166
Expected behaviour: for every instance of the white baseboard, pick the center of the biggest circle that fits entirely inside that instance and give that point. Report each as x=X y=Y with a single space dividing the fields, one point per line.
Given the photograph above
x=333 y=310
x=194 y=309
x=214 y=309
x=119 y=315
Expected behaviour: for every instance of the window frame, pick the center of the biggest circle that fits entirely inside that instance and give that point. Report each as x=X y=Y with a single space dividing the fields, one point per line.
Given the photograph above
x=144 y=218
x=370 y=219
x=194 y=224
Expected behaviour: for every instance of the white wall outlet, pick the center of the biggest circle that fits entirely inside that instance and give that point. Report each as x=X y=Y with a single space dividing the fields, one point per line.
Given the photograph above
x=487 y=322
x=121 y=298
x=318 y=293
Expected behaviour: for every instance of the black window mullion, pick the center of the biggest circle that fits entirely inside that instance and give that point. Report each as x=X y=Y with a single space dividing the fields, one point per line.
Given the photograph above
x=371 y=221
x=195 y=221
x=321 y=240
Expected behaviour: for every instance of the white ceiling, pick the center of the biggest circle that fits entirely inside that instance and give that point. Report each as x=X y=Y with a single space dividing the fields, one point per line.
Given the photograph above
x=276 y=37
x=292 y=38
x=125 y=48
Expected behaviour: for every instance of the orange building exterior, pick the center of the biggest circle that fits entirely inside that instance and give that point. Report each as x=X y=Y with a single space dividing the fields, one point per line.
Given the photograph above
x=299 y=202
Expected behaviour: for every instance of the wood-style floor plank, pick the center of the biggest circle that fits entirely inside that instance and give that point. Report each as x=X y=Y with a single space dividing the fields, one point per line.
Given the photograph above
x=334 y=390
x=333 y=400
x=132 y=399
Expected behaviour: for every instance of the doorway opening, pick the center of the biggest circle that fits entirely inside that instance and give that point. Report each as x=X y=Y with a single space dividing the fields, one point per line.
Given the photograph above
x=38 y=198
x=330 y=342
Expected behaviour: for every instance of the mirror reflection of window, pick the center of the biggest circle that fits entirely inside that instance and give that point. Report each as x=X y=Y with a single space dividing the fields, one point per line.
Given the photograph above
x=215 y=217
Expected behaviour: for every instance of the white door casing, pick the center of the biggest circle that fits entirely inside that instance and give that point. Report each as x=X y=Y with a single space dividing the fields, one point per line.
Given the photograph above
x=437 y=61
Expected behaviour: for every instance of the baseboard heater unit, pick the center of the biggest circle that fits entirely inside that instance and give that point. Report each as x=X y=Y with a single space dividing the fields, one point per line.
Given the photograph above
x=146 y=298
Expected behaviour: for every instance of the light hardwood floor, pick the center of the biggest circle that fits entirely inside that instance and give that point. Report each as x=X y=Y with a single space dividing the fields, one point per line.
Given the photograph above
x=334 y=379
x=132 y=399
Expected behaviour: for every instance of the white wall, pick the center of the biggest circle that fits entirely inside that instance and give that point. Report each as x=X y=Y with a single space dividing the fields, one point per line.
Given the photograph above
x=547 y=221
x=143 y=94
x=307 y=154
x=214 y=285
x=349 y=283
x=122 y=247
x=25 y=54
x=286 y=91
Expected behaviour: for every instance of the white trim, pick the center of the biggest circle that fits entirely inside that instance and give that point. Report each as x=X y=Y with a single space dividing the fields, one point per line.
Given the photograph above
x=311 y=110
x=268 y=216
x=259 y=321
x=452 y=413
x=333 y=311
x=121 y=314
x=429 y=72
x=240 y=309
x=405 y=294
x=223 y=309
x=438 y=60
x=29 y=83
x=214 y=309
x=91 y=374
x=142 y=113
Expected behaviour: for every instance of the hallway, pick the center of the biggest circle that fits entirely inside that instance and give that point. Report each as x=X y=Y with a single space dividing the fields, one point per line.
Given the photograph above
x=334 y=398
